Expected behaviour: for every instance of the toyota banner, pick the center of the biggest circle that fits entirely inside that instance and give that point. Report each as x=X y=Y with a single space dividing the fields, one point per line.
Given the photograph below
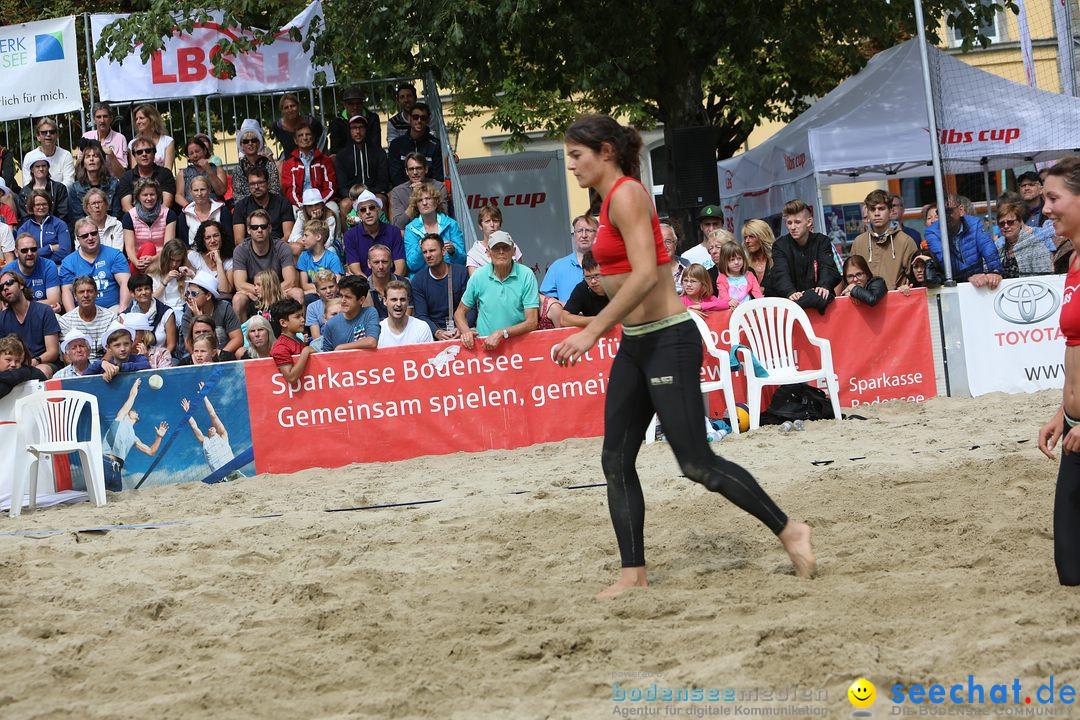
x=1012 y=335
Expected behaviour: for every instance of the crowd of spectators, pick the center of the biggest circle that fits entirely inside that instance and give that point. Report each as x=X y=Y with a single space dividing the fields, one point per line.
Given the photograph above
x=337 y=242
x=342 y=243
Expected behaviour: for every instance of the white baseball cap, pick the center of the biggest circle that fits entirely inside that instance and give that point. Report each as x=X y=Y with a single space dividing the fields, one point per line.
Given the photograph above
x=368 y=196
x=113 y=328
x=72 y=337
x=500 y=237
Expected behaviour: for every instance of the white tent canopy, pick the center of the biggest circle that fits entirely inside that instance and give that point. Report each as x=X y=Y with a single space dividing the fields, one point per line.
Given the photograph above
x=873 y=126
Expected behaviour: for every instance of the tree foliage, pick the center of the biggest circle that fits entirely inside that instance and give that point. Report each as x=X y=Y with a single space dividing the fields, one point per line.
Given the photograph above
x=538 y=65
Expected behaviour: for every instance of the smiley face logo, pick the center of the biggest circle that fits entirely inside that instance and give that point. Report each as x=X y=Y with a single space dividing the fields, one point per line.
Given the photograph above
x=862 y=693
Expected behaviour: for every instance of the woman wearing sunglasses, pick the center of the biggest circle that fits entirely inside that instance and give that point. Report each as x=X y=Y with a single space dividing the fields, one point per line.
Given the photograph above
x=1023 y=253
x=251 y=147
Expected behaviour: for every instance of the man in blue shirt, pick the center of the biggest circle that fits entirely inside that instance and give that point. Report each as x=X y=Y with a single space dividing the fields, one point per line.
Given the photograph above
x=974 y=255
x=430 y=294
x=107 y=266
x=42 y=278
x=506 y=294
x=34 y=322
x=356 y=327
x=565 y=273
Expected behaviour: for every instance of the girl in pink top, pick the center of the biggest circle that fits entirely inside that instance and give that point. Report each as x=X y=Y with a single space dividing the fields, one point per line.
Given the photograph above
x=698 y=291
x=734 y=285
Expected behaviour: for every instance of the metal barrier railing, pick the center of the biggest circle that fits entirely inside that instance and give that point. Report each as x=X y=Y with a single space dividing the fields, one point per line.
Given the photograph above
x=218 y=116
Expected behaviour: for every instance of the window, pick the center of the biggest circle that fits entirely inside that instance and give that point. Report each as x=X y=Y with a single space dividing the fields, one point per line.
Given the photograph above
x=995 y=30
x=658 y=170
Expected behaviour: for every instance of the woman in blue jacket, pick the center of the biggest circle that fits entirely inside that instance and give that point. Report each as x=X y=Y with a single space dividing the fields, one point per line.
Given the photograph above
x=431 y=217
x=54 y=240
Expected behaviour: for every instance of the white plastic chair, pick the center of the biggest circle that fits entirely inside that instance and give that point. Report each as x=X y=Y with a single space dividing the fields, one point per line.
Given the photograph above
x=48 y=422
x=767 y=327
x=708 y=386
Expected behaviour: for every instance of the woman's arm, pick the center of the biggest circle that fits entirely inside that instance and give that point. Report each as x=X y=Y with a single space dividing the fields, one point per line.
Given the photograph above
x=170 y=333
x=170 y=156
x=218 y=180
x=224 y=277
x=755 y=287
x=872 y=293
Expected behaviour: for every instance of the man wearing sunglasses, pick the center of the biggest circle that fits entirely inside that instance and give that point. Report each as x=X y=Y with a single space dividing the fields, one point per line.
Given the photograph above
x=370 y=231
x=419 y=140
x=106 y=266
x=974 y=255
x=276 y=207
x=34 y=322
x=262 y=253
x=61 y=164
x=42 y=278
x=143 y=149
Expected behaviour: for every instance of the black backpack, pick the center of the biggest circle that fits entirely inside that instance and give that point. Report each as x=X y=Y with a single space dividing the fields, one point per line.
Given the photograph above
x=797 y=402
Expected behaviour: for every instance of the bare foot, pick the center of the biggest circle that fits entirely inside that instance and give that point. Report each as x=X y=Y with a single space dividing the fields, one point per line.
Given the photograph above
x=796 y=539
x=628 y=578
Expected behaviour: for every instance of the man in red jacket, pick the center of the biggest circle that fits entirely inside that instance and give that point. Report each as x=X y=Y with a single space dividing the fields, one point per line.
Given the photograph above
x=307 y=167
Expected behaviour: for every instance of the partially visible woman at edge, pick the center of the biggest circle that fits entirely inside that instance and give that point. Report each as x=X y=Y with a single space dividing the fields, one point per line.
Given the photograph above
x=1061 y=193
x=659 y=342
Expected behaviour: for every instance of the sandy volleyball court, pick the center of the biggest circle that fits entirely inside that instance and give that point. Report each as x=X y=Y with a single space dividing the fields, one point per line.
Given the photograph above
x=934 y=550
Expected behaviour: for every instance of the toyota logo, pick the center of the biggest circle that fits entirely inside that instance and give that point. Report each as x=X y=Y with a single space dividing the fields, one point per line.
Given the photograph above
x=1025 y=303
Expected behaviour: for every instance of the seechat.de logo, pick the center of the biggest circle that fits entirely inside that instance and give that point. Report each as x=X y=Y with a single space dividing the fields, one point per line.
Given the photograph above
x=49 y=47
x=1026 y=302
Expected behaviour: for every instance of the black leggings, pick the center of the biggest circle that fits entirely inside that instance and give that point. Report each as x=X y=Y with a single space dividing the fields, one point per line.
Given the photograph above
x=1067 y=519
x=660 y=372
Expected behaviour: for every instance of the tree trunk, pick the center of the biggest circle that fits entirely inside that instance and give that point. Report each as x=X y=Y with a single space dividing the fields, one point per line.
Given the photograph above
x=682 y=106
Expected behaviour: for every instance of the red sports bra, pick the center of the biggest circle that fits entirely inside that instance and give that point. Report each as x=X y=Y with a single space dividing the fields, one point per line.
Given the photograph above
x=609 y=249
x=1070 y=308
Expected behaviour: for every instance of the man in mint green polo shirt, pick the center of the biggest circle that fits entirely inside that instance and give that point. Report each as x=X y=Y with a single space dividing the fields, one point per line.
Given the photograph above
x=507 y=296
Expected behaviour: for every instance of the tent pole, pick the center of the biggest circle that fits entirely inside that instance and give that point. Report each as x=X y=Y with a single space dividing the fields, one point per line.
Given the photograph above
x=935 y=154
x=986 y=184
x=819 y=208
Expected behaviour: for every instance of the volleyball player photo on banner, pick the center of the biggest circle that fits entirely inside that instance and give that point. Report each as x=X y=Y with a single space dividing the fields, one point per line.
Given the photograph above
x=163 y=427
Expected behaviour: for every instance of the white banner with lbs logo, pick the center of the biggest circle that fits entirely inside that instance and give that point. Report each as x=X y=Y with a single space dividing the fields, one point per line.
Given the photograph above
x=1012 y=336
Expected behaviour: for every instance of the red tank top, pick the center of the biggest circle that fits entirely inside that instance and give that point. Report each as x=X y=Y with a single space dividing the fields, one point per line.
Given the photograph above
x=609 y=249
x=1070 y=307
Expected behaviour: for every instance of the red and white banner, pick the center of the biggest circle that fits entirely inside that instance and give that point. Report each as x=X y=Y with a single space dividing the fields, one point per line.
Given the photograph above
x=1012 y=336
x=879 y=353
x=440 y=398
x=185 y=65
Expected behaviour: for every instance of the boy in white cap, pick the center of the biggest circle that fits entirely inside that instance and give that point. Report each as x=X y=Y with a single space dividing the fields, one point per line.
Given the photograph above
x=117 y=343
x=314 y=208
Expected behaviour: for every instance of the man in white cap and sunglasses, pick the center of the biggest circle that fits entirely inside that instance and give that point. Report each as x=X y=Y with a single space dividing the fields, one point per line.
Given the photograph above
x=370 y=231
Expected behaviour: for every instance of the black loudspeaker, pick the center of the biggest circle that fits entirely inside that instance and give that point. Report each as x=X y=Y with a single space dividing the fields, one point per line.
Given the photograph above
x=693 y=153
